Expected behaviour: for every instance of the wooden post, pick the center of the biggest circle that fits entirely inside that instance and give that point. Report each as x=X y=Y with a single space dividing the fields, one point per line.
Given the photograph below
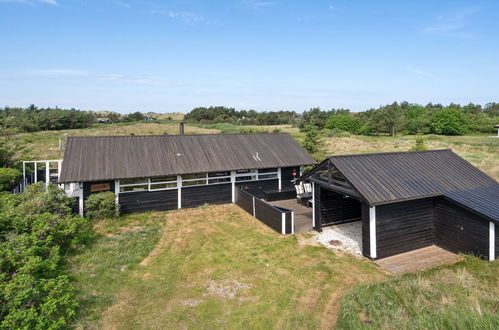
x=117 y=191
x=313 y=204
x=80 y=199
x=233 y=182
x=179 y=188
x=492 y=241
x=47 y=174
x=279 y=176
x=36 y=172
x=372 y=232
x=283 y=223
x=292 y=222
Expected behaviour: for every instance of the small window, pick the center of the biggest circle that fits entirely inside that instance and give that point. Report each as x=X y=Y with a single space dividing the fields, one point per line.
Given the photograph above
x=134 y=181
x=193 y=176
x=267 y=176
x=134 y=188
x=164 y=185
x=164 y=179
x=246 y=178
x=218 y=174
x=218 y=180
x=194 y=179
x=193 y=182
x=268 y=170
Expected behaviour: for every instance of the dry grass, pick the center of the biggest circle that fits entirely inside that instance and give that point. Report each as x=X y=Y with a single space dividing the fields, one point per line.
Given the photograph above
x=481 y=151
x=218 y=267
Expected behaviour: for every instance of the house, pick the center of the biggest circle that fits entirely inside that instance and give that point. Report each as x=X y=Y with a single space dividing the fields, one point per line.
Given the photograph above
x=408 y=200
x=169 y=172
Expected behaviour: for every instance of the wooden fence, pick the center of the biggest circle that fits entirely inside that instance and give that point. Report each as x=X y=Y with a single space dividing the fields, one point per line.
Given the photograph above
x=278 y=218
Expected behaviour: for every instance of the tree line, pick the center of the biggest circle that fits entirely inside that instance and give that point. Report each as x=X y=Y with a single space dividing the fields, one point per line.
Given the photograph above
x=392 y=119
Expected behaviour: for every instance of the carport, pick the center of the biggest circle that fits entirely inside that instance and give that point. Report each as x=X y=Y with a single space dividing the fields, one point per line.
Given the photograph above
x=408 y=201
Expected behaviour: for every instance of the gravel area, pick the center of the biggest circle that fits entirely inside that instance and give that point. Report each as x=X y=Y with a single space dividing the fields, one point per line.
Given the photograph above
x=346 y=237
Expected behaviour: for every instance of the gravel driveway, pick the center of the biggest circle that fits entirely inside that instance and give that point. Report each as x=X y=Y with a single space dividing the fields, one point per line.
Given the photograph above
x=346 y=237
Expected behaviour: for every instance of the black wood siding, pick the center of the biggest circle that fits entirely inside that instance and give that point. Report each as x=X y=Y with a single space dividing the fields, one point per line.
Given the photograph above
x=459 y=230
x=402 y=227
x=317 y=208
x=244 y=200
x=497 y=240
x=86 y=187
x=268 y=215
x=366 y=250
x=258 y=188
x=163 y=200
x=336 y=209
x=211 y=194
x=287 y=176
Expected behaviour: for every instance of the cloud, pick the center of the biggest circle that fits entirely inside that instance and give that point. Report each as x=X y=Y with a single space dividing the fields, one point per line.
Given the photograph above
x=419 y=72
x=83 y=76
x=32 y=2
x=452 y=25
x=331 y=8
x=122 y=4
x=186 y=17
x=258 y=4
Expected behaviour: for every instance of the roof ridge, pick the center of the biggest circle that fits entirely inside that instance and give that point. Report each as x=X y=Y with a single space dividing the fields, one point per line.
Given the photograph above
x=389 y=153
x=172 y=135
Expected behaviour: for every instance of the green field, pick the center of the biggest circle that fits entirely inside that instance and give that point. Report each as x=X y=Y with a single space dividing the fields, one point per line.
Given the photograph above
x=217 y=267
x=482 y=151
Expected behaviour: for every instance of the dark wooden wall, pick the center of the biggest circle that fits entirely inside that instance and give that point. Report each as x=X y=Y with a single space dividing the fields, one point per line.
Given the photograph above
x=287 y=176
x=86 y=187
x=497 y=240
x=268 y=215
x=258 y=188
x=404 y=226
x=366 y=238
x=459 y=230
x=317 y=208
x=211 y=194
x=163 y=200
x=336 y=209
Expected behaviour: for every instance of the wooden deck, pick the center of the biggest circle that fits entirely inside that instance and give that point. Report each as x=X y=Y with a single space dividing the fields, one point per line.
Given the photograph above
x=417 y=260
x=303 y=214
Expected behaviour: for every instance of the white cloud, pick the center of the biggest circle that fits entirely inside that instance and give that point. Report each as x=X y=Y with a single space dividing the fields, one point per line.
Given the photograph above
x=258 y=4
x=452 y=25
x=186 y=17
x=83 y=76
x=332 y=8
x=31 y=2
x=418 y=72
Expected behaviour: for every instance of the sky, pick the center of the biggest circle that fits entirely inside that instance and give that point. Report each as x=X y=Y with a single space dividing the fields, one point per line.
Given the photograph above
x=267 y=55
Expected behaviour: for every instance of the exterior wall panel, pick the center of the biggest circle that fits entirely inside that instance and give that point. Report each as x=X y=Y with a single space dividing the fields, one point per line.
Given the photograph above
x=258 y=188
x=459 y=230
x=164 y=200
x=405 y=226
x=365 y=230
x=336 y=209
x=211 y=194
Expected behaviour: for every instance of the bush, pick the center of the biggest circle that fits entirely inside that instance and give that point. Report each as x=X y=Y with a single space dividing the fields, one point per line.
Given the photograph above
x=449 y=121
x=101 y=205
x=9 y=178
x=344 y=122
x=419 y=144
x=35 y=291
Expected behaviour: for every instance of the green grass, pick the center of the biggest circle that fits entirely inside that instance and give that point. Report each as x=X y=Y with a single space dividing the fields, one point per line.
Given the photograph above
x=210 y=267
x=461 y=296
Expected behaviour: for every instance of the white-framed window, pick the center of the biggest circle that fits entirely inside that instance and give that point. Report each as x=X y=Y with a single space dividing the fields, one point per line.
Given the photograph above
x=246 y=175
x=148 y=184
x=194 y=179
x=218 y=177
x=268 y=173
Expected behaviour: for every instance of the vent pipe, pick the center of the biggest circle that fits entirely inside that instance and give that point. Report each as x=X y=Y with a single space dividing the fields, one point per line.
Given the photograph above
x=181 y=128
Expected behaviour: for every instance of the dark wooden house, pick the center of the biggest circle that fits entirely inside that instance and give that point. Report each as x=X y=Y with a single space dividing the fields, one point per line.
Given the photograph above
x=408 y=200
x=177 y=171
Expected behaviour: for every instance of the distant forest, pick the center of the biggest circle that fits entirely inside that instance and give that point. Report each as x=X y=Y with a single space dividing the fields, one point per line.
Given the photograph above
x=392 y=119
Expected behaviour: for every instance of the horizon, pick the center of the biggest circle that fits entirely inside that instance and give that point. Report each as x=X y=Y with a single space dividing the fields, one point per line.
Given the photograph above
x=127 y=56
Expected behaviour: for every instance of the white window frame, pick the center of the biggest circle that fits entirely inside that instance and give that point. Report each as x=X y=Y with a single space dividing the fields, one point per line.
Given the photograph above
x=148 y=183
x=275 y=175
x=250 y=173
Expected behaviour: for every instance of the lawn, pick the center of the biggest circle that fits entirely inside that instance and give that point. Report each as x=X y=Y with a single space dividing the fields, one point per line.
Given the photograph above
x=210 y=267
x=462 y=296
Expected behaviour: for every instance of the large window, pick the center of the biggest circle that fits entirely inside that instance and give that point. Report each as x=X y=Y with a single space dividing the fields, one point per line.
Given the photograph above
x=148 y=184
x=193 y=179
x=268 y=173
x=219 y=177
x=246 y=175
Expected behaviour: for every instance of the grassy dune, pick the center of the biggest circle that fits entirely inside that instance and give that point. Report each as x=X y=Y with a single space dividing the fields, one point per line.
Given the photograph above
x=210 y=267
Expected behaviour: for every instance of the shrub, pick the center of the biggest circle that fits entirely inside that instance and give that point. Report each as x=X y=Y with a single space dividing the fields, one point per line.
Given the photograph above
x=101 y=205
x=449 y=121
x=35 y=291
x=419 y=144
x=9 y=178
x=344 y=122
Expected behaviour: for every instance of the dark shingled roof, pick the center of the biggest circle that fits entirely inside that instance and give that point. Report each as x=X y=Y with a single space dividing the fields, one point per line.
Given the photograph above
x=118 y=157
x=483 y=201
x=382 y=178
